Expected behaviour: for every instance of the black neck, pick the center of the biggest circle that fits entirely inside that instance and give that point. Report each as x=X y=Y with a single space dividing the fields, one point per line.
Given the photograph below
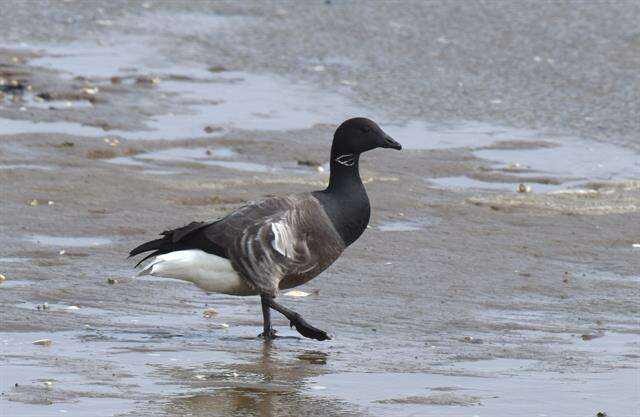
x=345 y=176
x=345 y=199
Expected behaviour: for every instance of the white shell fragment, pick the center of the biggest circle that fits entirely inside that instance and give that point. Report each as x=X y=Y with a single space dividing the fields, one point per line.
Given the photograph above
x=635 y=245
x=296 y=293
x=42 y=342
x=73 y=308
x=2 y=277
x=91 y=91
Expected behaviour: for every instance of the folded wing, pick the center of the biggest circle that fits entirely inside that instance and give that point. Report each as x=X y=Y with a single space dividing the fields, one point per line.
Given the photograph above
x=278 y=239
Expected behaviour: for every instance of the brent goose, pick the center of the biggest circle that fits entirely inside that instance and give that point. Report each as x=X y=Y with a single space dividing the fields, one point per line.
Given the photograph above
x=279 y=242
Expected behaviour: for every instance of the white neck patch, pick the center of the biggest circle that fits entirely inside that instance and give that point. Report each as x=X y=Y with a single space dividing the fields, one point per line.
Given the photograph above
x=346 y=160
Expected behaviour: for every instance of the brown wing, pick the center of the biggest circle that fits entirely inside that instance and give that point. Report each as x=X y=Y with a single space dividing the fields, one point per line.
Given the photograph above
x=295 y=243
x=279 y=238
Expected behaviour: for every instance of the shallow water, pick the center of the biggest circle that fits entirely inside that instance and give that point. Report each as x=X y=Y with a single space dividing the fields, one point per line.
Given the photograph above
x=471 y=183
x=399 y=226
x=66 y=241
x=233 y=100
x=535 y=393
x=25 y=167
x=228 y=99
x=198 y=156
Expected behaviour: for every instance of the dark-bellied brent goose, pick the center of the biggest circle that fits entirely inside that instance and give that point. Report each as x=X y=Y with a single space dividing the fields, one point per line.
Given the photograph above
x=277 y=243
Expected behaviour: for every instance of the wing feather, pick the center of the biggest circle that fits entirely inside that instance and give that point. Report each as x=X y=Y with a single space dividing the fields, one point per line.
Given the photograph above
x=280 y=238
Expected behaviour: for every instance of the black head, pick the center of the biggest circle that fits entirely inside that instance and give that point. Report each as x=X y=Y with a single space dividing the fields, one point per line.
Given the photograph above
x=359 y=135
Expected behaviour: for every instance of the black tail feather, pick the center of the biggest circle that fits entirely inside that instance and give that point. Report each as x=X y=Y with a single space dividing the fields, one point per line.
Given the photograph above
x=151 y=255
x=151 y=245
x=186 y=237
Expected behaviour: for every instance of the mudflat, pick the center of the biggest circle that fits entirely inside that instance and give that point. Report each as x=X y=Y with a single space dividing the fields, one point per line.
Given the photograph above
x=499 y=274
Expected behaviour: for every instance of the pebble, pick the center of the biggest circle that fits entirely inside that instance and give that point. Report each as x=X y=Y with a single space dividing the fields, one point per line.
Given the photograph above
x=148 y=80
x=522 y=188
x=308 y=163
x=473 y=340
x=2 y=278
x=112 y=281
x=211 y=129
x=210 y=312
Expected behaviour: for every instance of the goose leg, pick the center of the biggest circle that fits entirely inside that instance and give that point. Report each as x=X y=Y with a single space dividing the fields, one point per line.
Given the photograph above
x=296 y=320
x=268 y=332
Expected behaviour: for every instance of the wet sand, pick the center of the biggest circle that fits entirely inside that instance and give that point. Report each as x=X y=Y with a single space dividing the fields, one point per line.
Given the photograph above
x=463 y=298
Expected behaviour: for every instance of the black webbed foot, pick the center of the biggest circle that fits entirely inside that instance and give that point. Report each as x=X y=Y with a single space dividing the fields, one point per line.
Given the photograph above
x=295 y=319
x=270 y=335
x=308 y=330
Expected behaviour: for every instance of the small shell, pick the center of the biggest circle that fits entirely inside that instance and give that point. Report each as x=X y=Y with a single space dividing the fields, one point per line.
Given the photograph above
x=522 y=188
x=42 y=342
x=90 y=90
x=296 y=293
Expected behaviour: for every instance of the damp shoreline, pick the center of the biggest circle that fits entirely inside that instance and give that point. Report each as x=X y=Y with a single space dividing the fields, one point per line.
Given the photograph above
x=467 y=295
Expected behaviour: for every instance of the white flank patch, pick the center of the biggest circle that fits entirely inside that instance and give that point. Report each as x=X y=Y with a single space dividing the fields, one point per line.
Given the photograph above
x=209 y=272
x=282 y=241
